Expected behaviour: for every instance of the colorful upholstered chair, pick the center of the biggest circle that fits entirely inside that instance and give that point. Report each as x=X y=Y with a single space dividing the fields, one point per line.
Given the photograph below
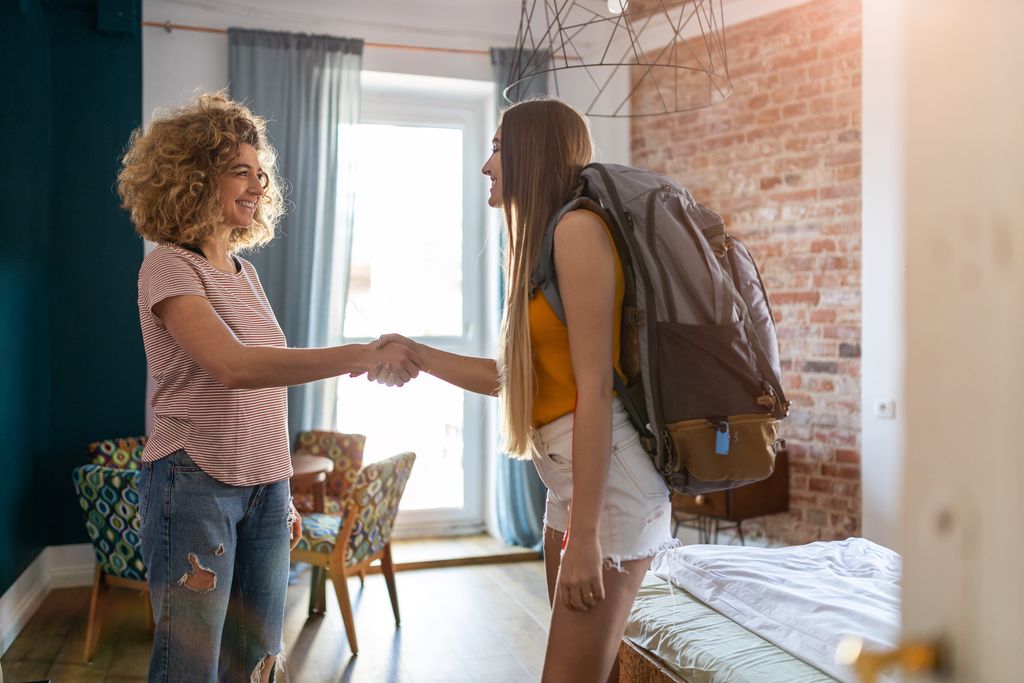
x=340 y=546
x=121 y=454
x=346 y=450
x=109 y=499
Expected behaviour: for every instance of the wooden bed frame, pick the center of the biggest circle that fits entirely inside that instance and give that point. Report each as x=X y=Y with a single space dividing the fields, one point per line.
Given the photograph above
x=637 y=665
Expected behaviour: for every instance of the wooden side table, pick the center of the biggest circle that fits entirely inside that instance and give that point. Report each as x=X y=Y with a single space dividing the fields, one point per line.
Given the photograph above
x=310 y=472
x=707 y=512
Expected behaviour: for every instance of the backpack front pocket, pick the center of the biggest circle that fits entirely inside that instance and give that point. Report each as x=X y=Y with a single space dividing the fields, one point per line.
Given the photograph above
x=748 y=455
x=710 y=369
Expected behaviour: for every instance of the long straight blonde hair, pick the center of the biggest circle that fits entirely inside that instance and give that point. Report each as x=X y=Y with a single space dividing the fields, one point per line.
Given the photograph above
x=545 y=143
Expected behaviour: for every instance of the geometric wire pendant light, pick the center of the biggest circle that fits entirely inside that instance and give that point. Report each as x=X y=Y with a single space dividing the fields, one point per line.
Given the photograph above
x=673 y=48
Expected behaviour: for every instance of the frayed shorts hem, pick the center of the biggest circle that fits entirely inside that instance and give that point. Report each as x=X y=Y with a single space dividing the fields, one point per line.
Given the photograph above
x=615 y=561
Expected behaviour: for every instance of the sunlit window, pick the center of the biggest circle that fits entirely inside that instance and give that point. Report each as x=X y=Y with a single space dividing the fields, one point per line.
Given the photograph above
x=421 y=265
x=406 y=277
x=406 y=271
x=424 y=417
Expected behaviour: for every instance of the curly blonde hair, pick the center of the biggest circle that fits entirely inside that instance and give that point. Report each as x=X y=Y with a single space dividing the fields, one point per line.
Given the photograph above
x=169 y=175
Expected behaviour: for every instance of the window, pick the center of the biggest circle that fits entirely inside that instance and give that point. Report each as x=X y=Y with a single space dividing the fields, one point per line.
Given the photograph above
x=422 y=266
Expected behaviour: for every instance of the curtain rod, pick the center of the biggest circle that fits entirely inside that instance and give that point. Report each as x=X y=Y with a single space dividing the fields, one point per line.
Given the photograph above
x=168 y=26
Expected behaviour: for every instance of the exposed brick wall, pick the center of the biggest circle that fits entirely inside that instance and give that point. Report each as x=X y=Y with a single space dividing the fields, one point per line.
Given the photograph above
x=780 y=159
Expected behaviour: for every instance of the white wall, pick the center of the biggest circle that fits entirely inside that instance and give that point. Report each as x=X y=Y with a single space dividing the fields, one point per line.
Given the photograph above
x=476 y=25
x=177 y=64
x=883 y=271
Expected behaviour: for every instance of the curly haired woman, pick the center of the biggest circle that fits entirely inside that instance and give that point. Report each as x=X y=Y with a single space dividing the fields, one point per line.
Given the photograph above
x=214 y=495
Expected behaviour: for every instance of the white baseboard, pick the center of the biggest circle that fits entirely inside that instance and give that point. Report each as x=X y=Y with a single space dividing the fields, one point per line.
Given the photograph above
x=58 y=566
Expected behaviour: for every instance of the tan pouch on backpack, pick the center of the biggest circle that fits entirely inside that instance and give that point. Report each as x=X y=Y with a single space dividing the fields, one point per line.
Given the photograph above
x=751 y=453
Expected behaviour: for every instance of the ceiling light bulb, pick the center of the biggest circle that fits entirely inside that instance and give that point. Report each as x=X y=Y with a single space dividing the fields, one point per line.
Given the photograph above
x=617 y=6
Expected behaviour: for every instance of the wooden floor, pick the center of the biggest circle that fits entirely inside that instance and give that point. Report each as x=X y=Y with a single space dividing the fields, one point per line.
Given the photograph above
x=427 y=553
x=486 y=622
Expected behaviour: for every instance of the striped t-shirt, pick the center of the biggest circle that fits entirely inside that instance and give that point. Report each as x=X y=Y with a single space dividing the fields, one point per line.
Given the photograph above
x=238 y=436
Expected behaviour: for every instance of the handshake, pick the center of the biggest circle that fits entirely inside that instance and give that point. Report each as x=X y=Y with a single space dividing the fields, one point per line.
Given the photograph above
x=393 y=360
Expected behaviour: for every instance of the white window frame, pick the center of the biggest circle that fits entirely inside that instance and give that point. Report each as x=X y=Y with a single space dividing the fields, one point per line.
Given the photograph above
x=403 y=99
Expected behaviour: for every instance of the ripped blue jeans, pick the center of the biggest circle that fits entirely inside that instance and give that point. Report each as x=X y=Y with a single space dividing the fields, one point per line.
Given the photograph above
x=217 y=557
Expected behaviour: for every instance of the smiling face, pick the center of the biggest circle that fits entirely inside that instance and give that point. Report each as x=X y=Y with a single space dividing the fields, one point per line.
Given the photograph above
x=492 y=169
x=241 y=186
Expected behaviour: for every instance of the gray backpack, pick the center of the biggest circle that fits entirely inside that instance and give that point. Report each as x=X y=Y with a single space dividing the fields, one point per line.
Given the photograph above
x=699 y=353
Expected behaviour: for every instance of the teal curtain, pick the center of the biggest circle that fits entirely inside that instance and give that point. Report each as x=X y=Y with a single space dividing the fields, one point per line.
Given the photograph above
x=521 y=493
x=307 y=87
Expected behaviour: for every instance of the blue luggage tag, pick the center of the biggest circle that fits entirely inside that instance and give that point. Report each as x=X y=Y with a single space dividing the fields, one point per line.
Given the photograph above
x=722 y=438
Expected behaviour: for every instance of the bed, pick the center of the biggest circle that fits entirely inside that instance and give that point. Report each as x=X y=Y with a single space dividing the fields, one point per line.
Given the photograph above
x=728 y=614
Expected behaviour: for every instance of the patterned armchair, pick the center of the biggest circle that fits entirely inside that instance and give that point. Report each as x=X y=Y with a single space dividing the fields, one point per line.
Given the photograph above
x=120 y=454
x=109 y=499
x=341 y=546
x=346 y=450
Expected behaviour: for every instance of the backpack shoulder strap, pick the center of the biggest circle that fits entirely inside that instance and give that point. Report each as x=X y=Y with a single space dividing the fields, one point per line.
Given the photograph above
x=544 y=277
x=546 y=280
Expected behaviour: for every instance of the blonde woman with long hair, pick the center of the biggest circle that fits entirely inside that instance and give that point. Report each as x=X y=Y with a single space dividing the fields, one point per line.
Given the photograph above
x=607 y=510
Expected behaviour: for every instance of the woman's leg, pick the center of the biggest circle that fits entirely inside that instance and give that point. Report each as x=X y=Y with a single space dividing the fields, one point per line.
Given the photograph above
x=601 y=628
x=188 y=547
x=252 y=641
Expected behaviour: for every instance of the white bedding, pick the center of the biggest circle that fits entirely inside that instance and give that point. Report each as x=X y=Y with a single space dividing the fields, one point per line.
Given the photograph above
x=804 y=599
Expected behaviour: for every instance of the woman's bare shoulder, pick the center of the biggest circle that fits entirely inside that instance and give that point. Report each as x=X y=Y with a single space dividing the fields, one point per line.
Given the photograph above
x=582 y=219
x=578 y=228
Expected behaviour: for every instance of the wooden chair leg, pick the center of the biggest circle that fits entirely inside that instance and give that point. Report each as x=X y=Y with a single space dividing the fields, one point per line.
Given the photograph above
x=92 y=628
x=388 y=569
x=340 y=581
x=317 y=590
x=362 y=578
x=149 y=612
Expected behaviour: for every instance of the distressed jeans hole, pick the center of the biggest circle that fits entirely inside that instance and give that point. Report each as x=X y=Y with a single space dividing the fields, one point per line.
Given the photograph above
x=200 y=578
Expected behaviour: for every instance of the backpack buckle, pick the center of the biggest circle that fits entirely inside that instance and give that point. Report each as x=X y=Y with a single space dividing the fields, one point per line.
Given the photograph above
x=633 y=316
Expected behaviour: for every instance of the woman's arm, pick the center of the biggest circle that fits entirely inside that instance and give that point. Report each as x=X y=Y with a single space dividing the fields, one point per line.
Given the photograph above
x=479 y=375
x=202 y=334
x=585 y=265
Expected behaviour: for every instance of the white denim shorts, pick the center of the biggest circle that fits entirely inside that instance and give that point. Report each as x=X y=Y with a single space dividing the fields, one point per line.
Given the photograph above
x=636 y=513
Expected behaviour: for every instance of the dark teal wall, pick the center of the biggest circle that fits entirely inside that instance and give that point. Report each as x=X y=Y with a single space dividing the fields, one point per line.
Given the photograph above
x=73 y=367
x=24 y=289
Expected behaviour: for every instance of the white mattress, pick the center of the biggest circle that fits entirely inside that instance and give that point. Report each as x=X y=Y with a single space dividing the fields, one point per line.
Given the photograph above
x=804 y=599
x=704 y=646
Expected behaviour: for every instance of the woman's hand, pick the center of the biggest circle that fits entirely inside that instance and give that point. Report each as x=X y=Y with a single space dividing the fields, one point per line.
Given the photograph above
x=580 y=584
x=479 y=375
x=386 y=339
x=393 y=363
x=396 y=375
x=294 y=525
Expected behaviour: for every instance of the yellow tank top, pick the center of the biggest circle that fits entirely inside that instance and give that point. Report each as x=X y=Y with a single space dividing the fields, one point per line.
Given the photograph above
x=552 y=361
